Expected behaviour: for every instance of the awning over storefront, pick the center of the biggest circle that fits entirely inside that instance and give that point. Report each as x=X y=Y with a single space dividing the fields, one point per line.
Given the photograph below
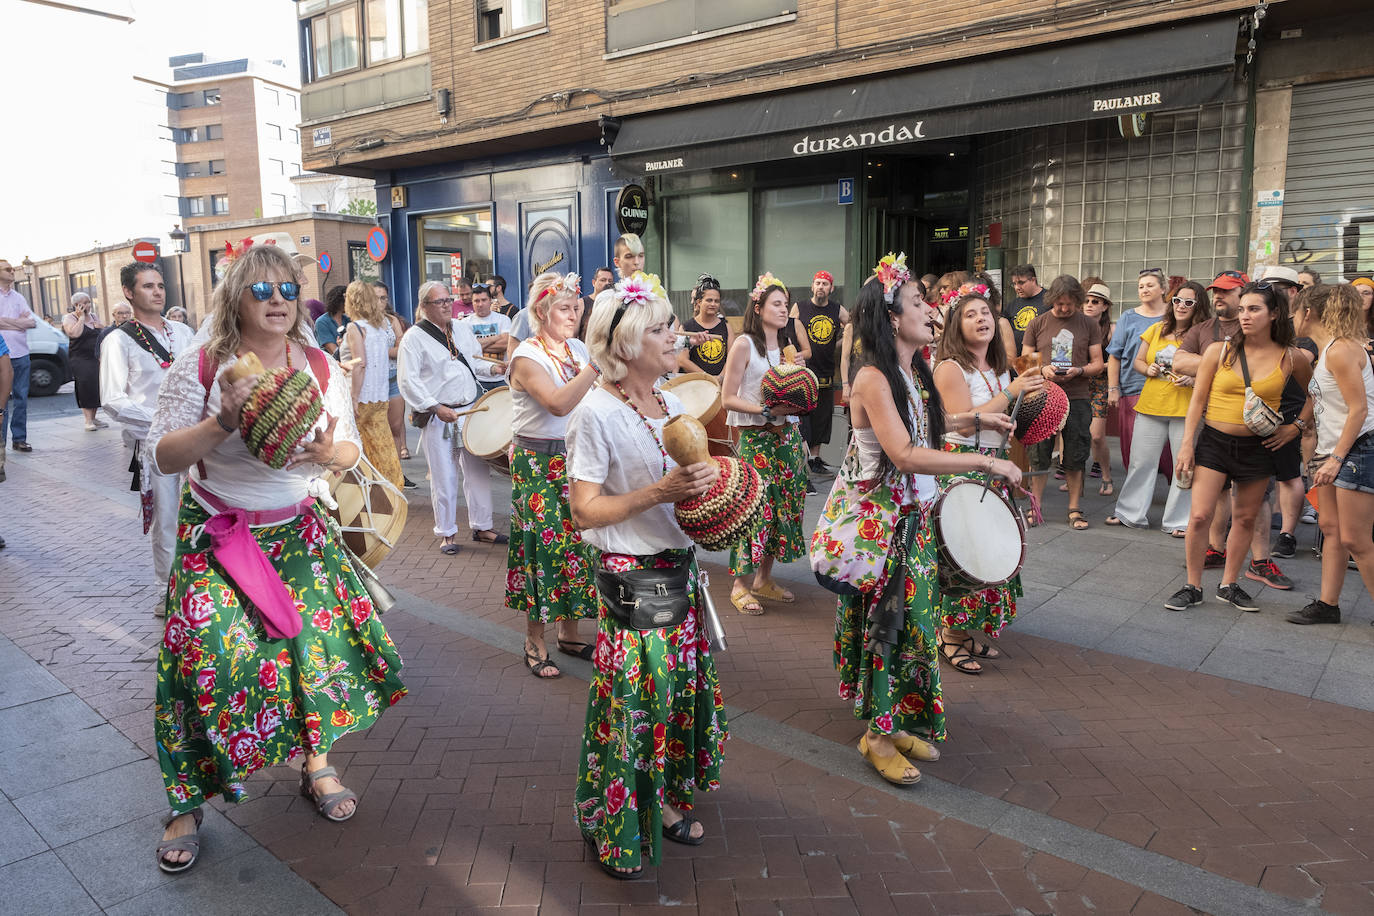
x=1149 y=70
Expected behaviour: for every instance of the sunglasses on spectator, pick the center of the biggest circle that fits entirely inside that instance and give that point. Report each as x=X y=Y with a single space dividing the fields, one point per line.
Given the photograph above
x=1098 y=300
x=1233 y=274
x=1157 y=271
x=1186 y=303
x=481 y=288
x=262 y=290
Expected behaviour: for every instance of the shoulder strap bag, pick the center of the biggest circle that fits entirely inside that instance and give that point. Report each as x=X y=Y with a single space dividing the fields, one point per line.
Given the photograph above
x=1260 y=418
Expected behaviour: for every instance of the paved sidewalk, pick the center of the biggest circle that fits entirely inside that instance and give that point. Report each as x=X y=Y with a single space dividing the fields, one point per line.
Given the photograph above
x=1074 y=780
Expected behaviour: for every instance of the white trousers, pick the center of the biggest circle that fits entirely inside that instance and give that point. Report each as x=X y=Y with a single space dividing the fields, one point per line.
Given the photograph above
x=443 y=480
x=1138 y=490
x=163 y=531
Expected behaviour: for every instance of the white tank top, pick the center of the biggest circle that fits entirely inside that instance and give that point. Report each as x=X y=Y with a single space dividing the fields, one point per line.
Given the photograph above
x=982 y=387
x=1329 y=408
x=528 y=417
x=870 y=454
x=750 y=390
x=375 y=344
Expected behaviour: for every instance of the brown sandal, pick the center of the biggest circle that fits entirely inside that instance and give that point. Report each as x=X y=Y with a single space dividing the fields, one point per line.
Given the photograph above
x=1078 y=520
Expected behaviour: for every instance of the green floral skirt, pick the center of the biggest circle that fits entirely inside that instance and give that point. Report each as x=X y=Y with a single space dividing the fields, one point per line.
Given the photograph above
x=231 y=700
x=548 y=567
x=902 y=691
x=991 y=609
x=655 y=729
x=781 y=461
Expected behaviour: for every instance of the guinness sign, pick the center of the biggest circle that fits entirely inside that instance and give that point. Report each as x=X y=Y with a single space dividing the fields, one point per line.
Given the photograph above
x=632 y=209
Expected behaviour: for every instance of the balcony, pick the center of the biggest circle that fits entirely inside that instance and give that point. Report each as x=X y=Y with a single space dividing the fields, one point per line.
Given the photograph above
x=360 y=93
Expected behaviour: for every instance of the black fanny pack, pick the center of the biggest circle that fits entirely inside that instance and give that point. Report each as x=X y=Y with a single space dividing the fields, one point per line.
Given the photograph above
x=647 y=599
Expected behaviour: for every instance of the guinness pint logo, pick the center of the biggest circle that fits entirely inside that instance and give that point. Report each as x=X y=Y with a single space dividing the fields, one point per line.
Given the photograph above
x=632 y=209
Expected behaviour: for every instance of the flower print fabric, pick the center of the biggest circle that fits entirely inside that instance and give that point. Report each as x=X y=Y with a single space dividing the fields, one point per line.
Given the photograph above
x=548 y=566
x=777 y=532
x=988 y=609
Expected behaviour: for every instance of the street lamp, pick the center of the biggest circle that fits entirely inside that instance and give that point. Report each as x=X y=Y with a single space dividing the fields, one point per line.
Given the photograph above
x=182 y=240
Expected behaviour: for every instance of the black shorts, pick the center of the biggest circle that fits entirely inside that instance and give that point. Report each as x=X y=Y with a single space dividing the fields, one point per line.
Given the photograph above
x=815 y=426
x=1288 y=460
x=1240 y=458
x=1078 y=440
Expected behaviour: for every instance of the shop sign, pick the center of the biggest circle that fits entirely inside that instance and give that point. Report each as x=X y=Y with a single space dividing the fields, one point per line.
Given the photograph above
x=323 y=136
x=632 y=209
x=846 y=190
x=884 y=136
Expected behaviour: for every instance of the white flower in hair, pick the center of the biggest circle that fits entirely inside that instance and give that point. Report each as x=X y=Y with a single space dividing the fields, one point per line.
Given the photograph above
x=636 y=289
x=571 y=283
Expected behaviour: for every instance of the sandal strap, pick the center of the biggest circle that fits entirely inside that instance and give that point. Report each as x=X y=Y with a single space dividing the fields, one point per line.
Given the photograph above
x=328 y=804
x=189 y=843
x=321 y=773
x=197 y=813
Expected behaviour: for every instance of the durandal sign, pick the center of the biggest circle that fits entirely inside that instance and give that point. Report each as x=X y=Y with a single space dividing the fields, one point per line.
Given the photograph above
x=632 y=209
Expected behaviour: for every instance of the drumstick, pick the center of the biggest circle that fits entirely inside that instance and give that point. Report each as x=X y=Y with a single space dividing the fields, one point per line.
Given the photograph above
x=490 y=359
x=1006 y=438
x=464 y=413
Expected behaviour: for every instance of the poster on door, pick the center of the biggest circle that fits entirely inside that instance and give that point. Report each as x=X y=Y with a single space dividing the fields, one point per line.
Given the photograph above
x=455 y=270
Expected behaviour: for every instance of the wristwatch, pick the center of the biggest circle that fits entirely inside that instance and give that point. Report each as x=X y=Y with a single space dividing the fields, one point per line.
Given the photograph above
x=1301 y=424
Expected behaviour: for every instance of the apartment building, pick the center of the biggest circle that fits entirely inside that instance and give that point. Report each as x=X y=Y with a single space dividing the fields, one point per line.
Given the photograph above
x=790 y=135
x=235 y=138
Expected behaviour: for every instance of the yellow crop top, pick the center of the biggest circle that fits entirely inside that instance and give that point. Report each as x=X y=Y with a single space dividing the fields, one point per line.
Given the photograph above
x=1226 y=403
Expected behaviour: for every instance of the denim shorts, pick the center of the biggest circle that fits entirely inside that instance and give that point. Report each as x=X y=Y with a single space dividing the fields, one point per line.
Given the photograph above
x=393 y=390
x=1357 y=473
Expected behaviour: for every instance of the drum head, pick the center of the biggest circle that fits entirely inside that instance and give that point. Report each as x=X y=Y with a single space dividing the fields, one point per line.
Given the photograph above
x=699 y=393
x=372 y=505
x=982 y=536
x=488 y=434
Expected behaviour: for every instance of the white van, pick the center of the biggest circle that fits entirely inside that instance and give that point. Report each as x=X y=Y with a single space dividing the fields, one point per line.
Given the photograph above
x=48 y=367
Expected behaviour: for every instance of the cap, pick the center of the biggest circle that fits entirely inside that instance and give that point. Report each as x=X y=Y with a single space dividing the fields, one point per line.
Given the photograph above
x=1229 y=279
x=1100 y=290
x=1280 y=274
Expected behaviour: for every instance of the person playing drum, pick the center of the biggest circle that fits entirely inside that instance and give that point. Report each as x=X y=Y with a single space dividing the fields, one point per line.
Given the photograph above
x=769 y=439
x=899 y=420
x=440 y=372
x=643 y=757
x=548 y=568
x=232 y=697
x=973 y=375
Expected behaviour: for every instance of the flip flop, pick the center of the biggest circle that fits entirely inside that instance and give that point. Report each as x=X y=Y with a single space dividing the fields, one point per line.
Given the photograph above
x=1106 y=489
x=449 y=549
x=496 y=537
x=1179 y=533
x=583 y=651
x=773 y=592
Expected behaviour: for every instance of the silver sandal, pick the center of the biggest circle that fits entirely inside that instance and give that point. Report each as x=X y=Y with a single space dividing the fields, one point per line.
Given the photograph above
x=188 y=843
x=326 y=804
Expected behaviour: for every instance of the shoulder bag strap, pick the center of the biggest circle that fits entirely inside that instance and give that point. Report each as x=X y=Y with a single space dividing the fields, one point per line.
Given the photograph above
x=433 y=330
x=1244 y=366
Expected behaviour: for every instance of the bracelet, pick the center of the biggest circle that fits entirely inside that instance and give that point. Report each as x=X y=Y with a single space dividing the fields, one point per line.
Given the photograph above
x=223 y=425
x=1114 y=388
x=977 y=425
x=1340 y=459
x=767 y=413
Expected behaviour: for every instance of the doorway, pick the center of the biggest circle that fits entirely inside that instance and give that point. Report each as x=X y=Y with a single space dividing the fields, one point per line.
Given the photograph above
x=920 y=204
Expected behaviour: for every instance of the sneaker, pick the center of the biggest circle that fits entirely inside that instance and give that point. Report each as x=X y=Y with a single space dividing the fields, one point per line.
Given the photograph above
x=1265 y=571
x=1184 y=598
x=1316 y=612
x=409 y=484
x=1237 y=598
x=1285 y=546
x=1309 y=515
x=1215 y=559
x=810 y=487
x=819 y=467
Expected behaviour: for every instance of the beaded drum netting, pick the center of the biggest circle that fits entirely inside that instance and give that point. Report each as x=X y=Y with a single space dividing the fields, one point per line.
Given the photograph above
x=720 y=518
x=791 y=386
x=1042 y=417
x=279 y=413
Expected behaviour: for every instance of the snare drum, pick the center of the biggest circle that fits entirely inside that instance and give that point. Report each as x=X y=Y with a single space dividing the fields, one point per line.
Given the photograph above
x=980 y=538
x=371 y=513
x=700 y=396
x=488 y=433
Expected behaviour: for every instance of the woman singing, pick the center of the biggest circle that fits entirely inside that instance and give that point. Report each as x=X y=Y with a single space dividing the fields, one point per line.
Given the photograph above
x=1226 y=448
x=899 y=421
x=770 y=439
x=655 y=717
x=232 y=697
x=548 y=568
x=974 y=376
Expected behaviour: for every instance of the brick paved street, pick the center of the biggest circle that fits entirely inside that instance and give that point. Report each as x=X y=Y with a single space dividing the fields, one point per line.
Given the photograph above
x=1074 y=780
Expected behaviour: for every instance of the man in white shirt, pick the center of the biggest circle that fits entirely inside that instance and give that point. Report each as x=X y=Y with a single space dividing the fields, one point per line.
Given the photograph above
x=133 y=361
x=15 y=320
x=492 y=330
x=438 y=371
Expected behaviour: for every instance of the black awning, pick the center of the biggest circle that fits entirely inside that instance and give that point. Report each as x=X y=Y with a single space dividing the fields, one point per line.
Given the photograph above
x=1161 y=69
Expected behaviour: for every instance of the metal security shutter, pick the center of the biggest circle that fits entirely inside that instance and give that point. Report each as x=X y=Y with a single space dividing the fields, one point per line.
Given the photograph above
x=1328 y=206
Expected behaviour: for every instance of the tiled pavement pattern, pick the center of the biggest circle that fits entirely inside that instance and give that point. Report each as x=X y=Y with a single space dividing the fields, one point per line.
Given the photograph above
x=466 y=786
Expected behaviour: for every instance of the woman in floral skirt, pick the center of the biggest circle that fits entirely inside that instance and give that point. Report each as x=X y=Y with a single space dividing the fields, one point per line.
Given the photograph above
x=898 y=422
x=548 y=568
x=655 y=717
x=770 y=439
x=236 y=690
x=974 y=375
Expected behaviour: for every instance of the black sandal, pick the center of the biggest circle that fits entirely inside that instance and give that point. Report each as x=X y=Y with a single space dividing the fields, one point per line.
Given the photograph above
x=681 y=832
x=582 y=650
x=496 y=537
x=610 y=869
x=539 y=665
x=958 y=657
x=981 y=650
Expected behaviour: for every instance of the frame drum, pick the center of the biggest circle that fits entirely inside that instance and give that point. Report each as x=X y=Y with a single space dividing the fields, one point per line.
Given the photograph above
x=488 y=434
x=700 y=396
x=981 y=538
x=371 y=513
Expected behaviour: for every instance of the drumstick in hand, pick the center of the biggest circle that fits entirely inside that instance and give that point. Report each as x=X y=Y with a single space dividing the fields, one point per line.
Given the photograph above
x=1006 y=438
x=464 y=413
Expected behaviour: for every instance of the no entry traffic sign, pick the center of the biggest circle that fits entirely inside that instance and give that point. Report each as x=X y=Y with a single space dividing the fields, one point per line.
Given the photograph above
x=377 y=243
x=145 y=252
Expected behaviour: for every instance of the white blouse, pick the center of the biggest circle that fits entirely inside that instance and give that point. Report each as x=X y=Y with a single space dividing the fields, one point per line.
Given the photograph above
x=750 y=387
x=982 y=387
x=530 y=419
x=376 y=342
x=233 y=473
x=130 y=375
x=608 y=444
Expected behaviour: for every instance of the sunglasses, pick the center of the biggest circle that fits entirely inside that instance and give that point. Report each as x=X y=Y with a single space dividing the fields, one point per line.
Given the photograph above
x=1233 y=274
x=481 y=288
x=1157 y=271
x=262 y=290
x=1185 y=303
x=1098 y=300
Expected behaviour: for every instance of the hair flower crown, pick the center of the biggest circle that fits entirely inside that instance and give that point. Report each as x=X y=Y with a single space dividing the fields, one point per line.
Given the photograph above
x=639 y=289
x=571 y=283
x=979 y=290
x=766 y=280
x=892 y=272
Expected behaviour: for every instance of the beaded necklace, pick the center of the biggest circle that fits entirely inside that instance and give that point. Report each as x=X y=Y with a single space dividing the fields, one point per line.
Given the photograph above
x=922 y=434
x=567 y=368
x=147 y=343
x=996 y=380
x=663 y=405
